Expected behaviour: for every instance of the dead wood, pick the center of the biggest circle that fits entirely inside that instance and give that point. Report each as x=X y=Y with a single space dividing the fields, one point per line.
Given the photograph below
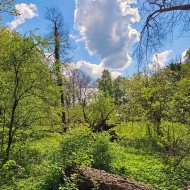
x=89 y=178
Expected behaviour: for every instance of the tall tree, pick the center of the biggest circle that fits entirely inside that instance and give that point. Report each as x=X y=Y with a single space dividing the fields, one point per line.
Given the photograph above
x=59 y=41
x=105 y=83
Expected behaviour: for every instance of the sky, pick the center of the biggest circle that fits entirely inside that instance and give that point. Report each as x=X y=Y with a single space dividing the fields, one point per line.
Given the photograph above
x=103 y=32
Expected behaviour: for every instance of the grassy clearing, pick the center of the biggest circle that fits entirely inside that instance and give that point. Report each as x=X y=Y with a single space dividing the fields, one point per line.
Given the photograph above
x=133 y=157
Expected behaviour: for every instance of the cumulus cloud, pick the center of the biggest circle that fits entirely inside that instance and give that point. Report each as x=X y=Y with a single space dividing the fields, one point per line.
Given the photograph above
x=95 y=71
x=185 y=58
x=159 y=60
x=106 y=28
x=115 y=74
x=26 y=11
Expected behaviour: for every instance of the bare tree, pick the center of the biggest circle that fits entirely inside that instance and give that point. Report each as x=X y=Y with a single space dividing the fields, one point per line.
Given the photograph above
x=59 y=41
x=6 y=6
x=161 y=18
x=77 y=85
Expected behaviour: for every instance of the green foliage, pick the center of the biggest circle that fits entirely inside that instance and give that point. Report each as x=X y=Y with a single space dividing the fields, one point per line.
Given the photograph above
x=9 y=173
x=150 y=170
x=101 y=105
x=28 y=95
x=100 y=111
x=53 y=177
x=103 y=152
x=153 y=142
x=105 y=83
x=144 y=157
x=74 y=115
x=75 y=148
x=81 y=147
x=118 y=92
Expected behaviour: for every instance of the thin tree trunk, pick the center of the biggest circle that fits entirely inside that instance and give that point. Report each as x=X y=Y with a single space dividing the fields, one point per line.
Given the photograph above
x=10 y=134
x=3 y=132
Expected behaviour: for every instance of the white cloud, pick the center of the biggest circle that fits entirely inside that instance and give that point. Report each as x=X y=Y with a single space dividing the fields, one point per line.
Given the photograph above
x=106 y=28
x=159 y=60
x=26 y=11
x=94 y=70
x=184 y=56
x=115 y=74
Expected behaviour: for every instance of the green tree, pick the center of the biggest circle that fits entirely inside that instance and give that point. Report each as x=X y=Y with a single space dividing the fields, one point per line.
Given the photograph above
x=105 y=83
x=149 y=98
x=27 y=92
x=118 y=91
x=100 y=113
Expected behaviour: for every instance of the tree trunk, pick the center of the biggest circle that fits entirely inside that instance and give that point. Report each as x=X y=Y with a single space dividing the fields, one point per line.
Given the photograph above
x=10 y=135
x=58 y=71
x=89 y=178
x=3 y=133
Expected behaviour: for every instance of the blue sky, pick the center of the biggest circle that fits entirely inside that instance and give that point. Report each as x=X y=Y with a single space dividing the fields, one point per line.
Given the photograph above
x=95 y=48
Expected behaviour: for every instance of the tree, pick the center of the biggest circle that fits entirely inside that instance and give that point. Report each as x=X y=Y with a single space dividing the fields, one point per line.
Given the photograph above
x=149 y=98
x=118 y=92
x=77 y=84
x=181 y=97
x=77 y=93
x=59 y=41
x=105 y=83
x=161 y=18
x=100 y=113
x=6 y=6
x=27 y=92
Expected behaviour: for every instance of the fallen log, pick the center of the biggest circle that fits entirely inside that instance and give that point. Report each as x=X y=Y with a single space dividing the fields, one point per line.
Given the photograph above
x=89 y=178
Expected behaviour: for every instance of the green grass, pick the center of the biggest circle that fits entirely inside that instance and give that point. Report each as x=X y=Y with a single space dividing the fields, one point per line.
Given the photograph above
x=133 y=157
x=131 y=130
x=141 y=160
x=148 y=169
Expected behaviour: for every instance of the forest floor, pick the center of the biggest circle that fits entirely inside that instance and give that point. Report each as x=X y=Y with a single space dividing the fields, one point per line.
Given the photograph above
x=134 y=158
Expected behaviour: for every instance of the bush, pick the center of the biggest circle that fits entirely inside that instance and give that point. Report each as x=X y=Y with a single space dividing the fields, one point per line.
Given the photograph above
x=9 y=173
x=81 y=147
x=102 y=152
x=75 y=148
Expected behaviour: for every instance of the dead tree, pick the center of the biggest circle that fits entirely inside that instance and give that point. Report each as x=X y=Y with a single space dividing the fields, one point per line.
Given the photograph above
x=161 y=18
x=59 y=42
x=89 y=178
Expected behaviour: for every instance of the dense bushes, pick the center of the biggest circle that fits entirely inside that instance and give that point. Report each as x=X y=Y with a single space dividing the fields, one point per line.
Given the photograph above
x=84 y=148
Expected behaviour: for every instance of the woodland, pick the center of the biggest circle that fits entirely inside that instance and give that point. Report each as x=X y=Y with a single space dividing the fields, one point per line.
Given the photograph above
x=61 y=130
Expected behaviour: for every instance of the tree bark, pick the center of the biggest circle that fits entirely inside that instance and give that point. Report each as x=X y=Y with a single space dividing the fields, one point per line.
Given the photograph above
x=90 y=178
x=58 y=71
x=10 y=135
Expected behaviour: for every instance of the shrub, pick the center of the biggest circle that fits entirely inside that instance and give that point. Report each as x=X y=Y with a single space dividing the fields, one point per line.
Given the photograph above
x=81 y=147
